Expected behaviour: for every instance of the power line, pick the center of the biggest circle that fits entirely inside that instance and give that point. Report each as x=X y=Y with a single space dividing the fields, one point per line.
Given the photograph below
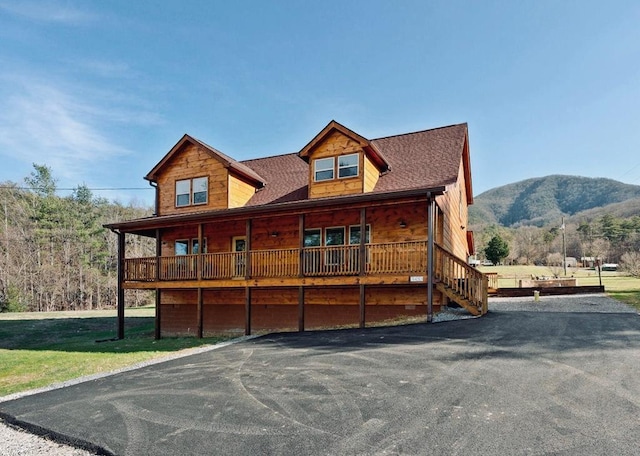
x=76 y=188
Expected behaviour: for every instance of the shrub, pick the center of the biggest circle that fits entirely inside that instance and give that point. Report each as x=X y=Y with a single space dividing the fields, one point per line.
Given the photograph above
x=11 y=301
x=630 y=263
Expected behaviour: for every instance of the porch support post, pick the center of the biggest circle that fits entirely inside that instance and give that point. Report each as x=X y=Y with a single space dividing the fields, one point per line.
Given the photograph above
x=363 y=238
x=430 y=272
x=247 y=311
x=301 y=245
x=247 y=261
x=362 y=305
x=121 y=256
x=199 y=307
x=200 y=250
x=158 y=329
x=301 y=308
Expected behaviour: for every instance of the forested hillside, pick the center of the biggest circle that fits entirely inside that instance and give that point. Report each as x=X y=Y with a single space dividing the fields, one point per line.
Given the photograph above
x=54 y=252
x=601 y=219
x=545 y=200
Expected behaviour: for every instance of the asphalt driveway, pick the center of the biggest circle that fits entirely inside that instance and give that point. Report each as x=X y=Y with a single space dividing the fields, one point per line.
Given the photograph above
x=513 y=382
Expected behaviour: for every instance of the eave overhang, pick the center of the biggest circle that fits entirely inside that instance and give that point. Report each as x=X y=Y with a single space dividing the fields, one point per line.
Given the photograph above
x=147 y=226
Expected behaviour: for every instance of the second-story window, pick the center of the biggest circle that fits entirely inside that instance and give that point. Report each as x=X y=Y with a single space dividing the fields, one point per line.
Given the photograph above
x=199 y=188
x=348 y=165
x=183 y=193
x=192 y=191
x=323 y=169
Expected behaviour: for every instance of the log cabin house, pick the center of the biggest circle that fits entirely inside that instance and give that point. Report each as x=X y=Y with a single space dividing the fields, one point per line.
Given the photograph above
x=348 y=231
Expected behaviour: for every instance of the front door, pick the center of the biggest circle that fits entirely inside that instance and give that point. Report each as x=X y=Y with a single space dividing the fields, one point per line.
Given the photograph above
x=239 y=247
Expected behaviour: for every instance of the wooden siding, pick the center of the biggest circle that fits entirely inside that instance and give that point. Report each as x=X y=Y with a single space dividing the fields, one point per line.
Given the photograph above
x=334 y=145
x=386 y=223
x=192 y=161
x=240 y=192
x=218 y=236
x=277 y=310
x=371 y=175
x=454 y=220
x=275 y=233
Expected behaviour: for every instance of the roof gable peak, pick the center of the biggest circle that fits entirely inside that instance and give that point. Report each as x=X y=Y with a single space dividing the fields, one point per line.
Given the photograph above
x=226 y=161
x=334 y=126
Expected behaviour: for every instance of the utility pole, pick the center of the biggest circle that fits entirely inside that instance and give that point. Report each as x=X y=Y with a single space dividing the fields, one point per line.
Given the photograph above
x=564 y=248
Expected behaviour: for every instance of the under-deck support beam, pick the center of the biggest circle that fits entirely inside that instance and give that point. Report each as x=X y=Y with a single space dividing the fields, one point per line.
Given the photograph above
x=300 y=308
x=363 y=303
x=247 y=312
x=200 y=313
x=121 y=257
x=430 y=237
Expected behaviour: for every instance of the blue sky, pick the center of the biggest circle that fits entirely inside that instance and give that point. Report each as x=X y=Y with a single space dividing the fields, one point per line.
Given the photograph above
x=100 y=91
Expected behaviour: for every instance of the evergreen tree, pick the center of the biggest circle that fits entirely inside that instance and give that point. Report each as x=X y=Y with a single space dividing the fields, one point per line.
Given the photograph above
x=497 y=249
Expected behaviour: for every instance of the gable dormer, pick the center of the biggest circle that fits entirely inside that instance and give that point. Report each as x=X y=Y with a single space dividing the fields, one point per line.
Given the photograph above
x=195 y=177
x=341 y=162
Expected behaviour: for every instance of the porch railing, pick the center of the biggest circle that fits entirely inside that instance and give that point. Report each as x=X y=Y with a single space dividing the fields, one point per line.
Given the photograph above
x=275 y=263
x=183 y=267
x=493 y=280
x=397 y=257
x=463 y=279
x=390 y=258
x=331 y=261
x=140 y=269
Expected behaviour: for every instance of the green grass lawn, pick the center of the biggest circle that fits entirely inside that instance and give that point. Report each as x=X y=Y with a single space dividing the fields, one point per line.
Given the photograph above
x=616 y=285
x=38 y=349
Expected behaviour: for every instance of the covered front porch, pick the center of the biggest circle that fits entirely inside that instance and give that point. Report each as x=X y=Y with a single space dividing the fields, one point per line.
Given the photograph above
x=361 y=248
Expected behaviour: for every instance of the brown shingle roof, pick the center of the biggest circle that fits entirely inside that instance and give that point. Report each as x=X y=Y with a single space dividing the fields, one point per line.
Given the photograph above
x=424 y=159
x=287 y=178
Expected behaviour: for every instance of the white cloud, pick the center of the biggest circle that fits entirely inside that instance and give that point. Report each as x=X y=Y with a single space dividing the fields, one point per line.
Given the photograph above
x=42 y=123
x=51 y=11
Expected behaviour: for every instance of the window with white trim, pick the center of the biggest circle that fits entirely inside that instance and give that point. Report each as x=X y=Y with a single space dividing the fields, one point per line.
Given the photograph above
x=200 y=186
x=313 y=237
x=348 y=165
x=354 y=234
x=192 y=191
x=183 y=192
x=181 y=247
x=323 y=169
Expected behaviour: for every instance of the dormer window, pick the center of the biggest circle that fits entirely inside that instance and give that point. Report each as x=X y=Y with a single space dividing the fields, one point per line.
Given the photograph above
x=192 y=191
x=348 y=165
x=323 y=169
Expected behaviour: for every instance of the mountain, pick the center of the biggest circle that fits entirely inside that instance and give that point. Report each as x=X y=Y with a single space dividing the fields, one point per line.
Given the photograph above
x=542 y=200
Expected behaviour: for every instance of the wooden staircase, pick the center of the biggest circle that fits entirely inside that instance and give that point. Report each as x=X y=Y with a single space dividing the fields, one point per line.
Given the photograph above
x=461 y=282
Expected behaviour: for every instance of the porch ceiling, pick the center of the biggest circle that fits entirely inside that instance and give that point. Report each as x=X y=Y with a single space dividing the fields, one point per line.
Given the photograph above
x=147 y=226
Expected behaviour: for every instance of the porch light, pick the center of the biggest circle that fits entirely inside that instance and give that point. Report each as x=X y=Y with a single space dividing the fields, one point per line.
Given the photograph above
x=403 y=224
x=274 y=234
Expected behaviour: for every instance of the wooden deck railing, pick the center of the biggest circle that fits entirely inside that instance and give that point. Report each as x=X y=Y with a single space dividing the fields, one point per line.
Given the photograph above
x=183 y=267
x=397 y=257
x=140 y=269
x=275 y=263
x=493 y=280
x=465 y=280
x=331 y=260
x=226 y=265
x=381 y=259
